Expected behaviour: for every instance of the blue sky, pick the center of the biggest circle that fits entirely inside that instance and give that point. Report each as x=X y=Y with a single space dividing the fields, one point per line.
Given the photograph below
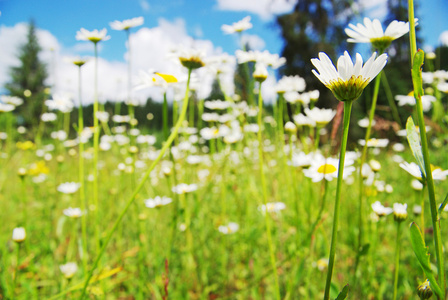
x=203 y=19
x=167 y=23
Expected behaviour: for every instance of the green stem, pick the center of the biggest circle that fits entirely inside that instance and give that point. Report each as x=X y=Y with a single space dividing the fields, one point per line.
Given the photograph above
x=390 y=99
x=425 y=150
x=82 y=188
x=140 y=186
x=96 y=136
x=265 y=194
x=363 y=160
x=347 y=112
x=16 y=271
x=397 y=260
x=165 y=116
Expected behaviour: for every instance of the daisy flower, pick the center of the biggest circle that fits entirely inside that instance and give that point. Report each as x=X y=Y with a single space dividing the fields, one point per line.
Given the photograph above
x=410 y=100
x=290 y=84
x=184 y=188
x=272 y=207
x=239 y=26
x=376 y=143
x=326 y=168
x=94 y=36
x=68 y=187
x=349 y=80
x=18 y=234
x=400 y=212
x=229 y=228
x=372 y=32
x=157 y=202
x=126 y=24
x=69 y=269
x=320 y=116
x=73 y=212
x=380 y=210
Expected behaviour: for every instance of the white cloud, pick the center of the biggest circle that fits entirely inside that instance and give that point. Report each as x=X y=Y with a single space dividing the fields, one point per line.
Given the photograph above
x=374 y=9
x=266 y=9
x=145 y=5
x=149 y=50
x=254 y=41
x=443 y=38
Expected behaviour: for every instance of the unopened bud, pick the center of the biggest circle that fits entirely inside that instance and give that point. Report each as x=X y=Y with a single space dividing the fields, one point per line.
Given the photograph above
x=424 y=290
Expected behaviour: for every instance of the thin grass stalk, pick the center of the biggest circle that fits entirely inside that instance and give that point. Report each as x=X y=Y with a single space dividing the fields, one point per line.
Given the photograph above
x=96 y=136
x=347 y=112
x=265 y=195
x=425 y=150
x=82 y=188
x=363 y=160
x=397 y=260
x=140 y=186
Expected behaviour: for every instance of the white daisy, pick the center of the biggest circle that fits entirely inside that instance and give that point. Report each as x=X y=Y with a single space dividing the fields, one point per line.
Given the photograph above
x=380 y=210
x=184 y=188
x=69 y=187
x=326 y=168
x=157 y=202
x=94 y=36
x=73 y=212
x=69 y=269
x=272 y=207
x=349 y=80
x=18 y=234
x=126 y=24
x=320 y=116
x=372 y=32
x=239 y=26
x=229 y=228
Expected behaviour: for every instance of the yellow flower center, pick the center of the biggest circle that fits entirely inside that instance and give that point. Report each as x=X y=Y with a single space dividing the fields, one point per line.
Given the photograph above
x=326 y=169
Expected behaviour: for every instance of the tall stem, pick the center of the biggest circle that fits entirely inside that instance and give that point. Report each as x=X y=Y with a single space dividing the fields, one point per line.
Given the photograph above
x=425 y=150
x=140 y=185
x=96 y=136
x=363 y=160
x=347 y=112
x=265 y=194
x=81 y=175
x=397 y=260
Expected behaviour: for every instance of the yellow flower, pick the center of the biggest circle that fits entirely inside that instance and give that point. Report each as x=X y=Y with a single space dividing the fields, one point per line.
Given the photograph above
x=39 y=168
x=25 y=145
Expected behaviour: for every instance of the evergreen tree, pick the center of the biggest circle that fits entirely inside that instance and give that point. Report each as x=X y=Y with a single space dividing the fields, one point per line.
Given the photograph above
x=28 y=79
x=314 y=26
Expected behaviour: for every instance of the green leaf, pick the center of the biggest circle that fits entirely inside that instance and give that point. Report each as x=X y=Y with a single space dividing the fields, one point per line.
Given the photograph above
x=364 y=249
x=414 y=142
x=417 y=73
x=343 y=294
x=444 y=203
x=421 y=252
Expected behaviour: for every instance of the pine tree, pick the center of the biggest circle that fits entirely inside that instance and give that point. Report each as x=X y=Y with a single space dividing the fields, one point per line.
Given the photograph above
x=314 y=26
x=28 y=79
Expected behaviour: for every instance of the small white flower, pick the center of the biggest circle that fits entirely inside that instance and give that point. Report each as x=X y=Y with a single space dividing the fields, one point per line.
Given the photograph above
x=216 y=104
x=320 y=116
x=18 y=234
x=157 y=201
x=364 y=123
x=290 y=127
x=126 y=24
x=239 y=26
x=184 y=188
x=261 y=72
x=412 y=168
x=416 y=185
x=4 y=107
x=376 y=143
x=60 y=102
x=372 y=32
x=400 y=212
x=48 y=117
x=272 y=207
x=410 y=100
x=229 y=228
x=68 y=187
x=326 y=168
x=94 y=36
x=290 y=84
x=69 y=269
x=417 y=210
x=380 y=210
x=73 y=212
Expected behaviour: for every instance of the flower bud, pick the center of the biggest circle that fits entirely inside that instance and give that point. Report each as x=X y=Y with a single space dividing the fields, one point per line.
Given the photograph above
x=424 y=290
x=18 y=234
x=400 y=213
x=260 y=73
x=290 y=127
